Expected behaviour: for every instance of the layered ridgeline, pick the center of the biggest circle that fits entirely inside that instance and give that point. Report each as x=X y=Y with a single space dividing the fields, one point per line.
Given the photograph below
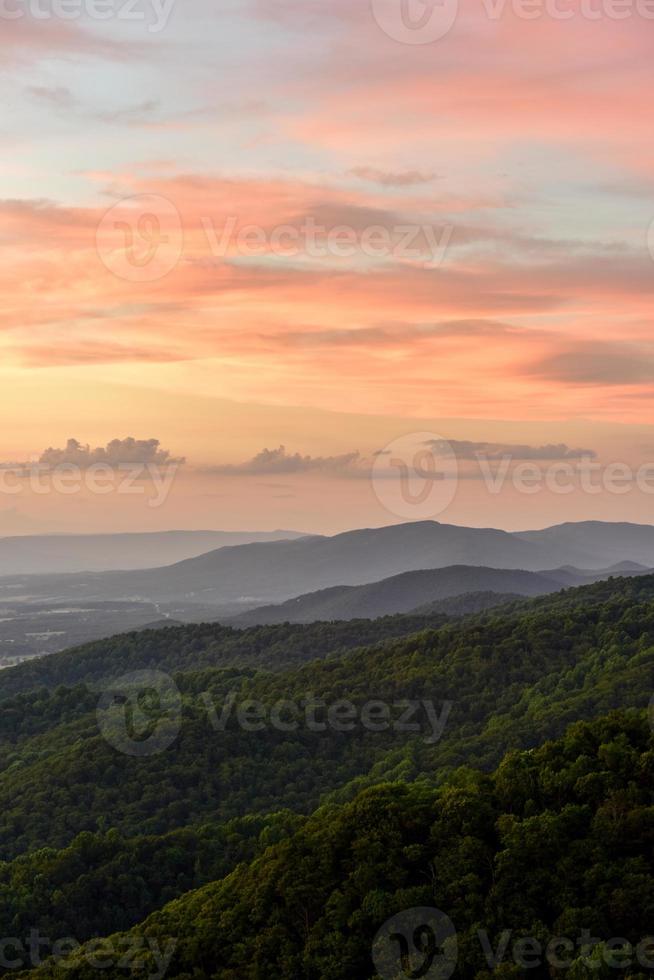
x=282 y=645
x=427 y=590
x=543 y=868
x=365 y=573
x=278 y=570
x=139 y=830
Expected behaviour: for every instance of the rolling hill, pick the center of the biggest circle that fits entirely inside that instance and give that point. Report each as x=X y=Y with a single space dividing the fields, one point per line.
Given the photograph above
x=510 y=678
x=80 y=817
x=423 y=590
x=476 y=866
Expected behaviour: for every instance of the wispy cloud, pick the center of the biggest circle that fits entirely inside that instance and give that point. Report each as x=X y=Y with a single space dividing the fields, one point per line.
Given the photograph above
x=598 y=363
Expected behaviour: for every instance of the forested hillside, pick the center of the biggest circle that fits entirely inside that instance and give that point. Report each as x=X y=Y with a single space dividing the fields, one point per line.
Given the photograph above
x=272 y=647
x=195 y=647
x=556 y=845
x=79 y=818
x=495 y=681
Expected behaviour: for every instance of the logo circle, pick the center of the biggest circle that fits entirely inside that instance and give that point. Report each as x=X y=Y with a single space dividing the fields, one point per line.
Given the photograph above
x=140 y=239
x=420 y=942
x=415 y=21
x=140 y=714
x=416 y=476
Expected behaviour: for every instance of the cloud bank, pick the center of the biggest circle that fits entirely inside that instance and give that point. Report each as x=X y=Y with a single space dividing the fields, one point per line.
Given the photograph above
x=117 y=453
x=497 y=451
x=280 y=461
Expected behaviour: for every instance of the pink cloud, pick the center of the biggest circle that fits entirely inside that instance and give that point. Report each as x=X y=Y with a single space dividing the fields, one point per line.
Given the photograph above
x=466 y=333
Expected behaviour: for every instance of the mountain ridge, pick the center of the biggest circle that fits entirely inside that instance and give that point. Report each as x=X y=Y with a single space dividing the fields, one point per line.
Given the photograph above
x=273 y=571
x=404 y=593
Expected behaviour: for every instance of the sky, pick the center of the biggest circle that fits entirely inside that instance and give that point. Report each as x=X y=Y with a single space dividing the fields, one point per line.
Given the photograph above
x=312 y=248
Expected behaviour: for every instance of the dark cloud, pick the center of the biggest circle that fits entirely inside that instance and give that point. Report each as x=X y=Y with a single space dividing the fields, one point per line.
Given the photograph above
x=118 y=452
x=279 y=461
x=466 y=450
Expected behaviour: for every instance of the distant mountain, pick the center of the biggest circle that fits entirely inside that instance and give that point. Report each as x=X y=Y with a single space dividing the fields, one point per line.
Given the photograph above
x=263 y=573
x=594 y=544
x=432 y=590
x=284 y=569
x=61 y=553
x=400 y=594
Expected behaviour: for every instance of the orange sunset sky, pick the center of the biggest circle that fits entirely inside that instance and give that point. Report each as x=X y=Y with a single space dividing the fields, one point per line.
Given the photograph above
x=236 y=226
